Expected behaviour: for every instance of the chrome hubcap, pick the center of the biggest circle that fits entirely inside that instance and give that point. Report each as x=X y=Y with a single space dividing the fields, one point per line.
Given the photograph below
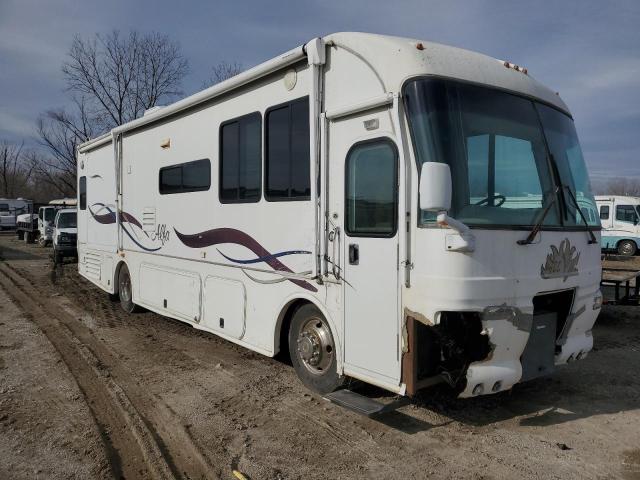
x=315 y=346
x=125 y=288
x=627 y=248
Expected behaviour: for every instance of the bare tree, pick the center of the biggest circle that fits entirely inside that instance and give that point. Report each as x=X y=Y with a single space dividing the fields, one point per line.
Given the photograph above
x=624 y=186
x=112 y=80
x=15 y=173
x=221 y=72
x=60 y=132
x=122 y=77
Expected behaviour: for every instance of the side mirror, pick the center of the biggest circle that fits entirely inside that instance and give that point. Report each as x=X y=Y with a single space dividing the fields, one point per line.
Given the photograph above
x=435 y=187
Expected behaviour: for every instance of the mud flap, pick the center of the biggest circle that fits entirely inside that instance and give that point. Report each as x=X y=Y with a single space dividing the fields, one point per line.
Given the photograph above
x=538 y=356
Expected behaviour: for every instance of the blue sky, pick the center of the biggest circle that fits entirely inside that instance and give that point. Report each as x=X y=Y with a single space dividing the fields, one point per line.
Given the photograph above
x=589 y=51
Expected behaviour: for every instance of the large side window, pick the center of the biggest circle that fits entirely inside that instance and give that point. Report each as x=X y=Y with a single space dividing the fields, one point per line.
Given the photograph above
x=186 y=177
x=604 y=212
x=372 y=189
x=626 y=213
x=241 y=159
x=83 y=193
x=287 y=152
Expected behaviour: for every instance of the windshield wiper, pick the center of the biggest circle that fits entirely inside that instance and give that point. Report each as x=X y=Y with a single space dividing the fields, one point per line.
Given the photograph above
x=584 y=220
x=538 y=225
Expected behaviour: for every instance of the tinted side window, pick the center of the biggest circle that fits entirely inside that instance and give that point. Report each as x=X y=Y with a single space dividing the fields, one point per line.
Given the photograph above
x=185 y=177
x=626 y=213
x=241 y=159
x=287 y=147
x=83 y=193
x=604 y=212
x=371 y=189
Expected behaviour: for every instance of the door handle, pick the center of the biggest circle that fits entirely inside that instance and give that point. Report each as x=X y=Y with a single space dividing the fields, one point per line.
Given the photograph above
x=354 y=254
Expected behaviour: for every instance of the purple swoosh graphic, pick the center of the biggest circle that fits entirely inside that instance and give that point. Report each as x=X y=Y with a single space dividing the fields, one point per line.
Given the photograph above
x=110 y=217
x=238 y=237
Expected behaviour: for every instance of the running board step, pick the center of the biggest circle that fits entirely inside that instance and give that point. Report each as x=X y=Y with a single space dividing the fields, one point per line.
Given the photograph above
x=364 y=405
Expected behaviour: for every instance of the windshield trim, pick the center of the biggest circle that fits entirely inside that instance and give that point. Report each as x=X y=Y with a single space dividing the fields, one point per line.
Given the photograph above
x=488 y=86
x=557 y=181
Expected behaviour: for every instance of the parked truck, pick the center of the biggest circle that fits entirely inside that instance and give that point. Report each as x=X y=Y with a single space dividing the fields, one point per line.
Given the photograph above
x=37 y=224
x=10 y=209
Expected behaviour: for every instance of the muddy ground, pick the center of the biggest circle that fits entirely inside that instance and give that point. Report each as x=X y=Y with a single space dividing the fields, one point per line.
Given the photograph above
x=87 y=391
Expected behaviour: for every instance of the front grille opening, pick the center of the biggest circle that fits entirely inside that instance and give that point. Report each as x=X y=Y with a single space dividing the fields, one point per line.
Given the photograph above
x=557 y=302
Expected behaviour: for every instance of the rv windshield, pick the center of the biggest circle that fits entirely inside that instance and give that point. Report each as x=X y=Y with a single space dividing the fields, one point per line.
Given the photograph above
x=67 y=220
x=502 y=150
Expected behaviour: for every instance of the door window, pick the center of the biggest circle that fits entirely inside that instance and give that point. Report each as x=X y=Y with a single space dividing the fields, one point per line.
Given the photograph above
x=372 y=189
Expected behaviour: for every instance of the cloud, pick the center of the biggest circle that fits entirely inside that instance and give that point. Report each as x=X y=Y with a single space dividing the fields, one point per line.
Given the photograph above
x=585 y=49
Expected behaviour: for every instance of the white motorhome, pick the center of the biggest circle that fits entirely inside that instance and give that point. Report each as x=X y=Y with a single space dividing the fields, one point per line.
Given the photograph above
x=620 y=218
x=385 y=209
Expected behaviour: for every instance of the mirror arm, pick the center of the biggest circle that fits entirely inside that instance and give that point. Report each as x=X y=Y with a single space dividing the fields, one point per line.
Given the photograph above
x=445 y=220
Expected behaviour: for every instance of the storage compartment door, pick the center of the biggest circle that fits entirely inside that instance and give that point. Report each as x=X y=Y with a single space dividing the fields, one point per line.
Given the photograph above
x=224 y=306
x=175 y=292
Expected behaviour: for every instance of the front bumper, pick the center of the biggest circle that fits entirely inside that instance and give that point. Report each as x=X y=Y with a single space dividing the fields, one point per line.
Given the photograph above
x=67 y=250
x=509 y=330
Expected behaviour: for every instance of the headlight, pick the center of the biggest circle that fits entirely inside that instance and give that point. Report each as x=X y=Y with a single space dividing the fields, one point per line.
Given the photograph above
x=597 y=300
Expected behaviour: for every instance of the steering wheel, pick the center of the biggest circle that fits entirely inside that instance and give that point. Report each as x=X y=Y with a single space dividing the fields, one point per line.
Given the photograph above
x=501 y=199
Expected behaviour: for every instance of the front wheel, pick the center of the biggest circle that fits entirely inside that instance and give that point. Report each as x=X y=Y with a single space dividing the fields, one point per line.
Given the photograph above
x=125 y=291
x=313 y=351
x=627 y=248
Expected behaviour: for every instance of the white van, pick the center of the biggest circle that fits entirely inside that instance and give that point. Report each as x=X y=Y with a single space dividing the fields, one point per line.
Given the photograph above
x=382 y=208
x=620 y=219
x=65 y=234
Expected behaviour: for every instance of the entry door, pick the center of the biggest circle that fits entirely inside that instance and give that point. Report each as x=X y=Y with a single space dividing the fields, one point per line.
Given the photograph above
x=371 y=259
x=606 y=215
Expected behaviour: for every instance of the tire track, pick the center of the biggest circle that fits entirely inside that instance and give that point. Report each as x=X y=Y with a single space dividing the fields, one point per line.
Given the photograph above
x=142 y=436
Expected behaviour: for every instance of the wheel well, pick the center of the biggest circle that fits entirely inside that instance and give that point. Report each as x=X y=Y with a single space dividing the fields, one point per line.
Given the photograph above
x=633 y=240
x=284 y=322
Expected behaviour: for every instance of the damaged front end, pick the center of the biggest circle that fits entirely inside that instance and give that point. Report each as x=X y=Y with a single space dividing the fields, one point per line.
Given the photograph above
x=490 y=351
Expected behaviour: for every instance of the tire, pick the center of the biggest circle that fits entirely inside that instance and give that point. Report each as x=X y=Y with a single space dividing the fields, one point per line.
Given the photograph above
x=312 y=350
x=20 y=235
x=42 y=242
x=125 y=291
x=627 y=248
x=58 y=259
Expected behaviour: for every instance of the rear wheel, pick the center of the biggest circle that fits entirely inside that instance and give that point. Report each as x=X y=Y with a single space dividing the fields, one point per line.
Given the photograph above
x=313 y=352
x=627 y=248
x=20 y=235
x=125 y=291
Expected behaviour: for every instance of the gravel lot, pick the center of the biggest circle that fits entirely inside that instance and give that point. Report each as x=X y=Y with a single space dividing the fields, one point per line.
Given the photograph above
x=87 y=391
